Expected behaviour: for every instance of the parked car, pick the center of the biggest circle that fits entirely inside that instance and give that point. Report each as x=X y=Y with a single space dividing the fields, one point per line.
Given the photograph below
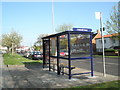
x=3 y=52
x=65 y=52
x=36 y=55
x=62 y=53
x=0 y=52
x=27 y=54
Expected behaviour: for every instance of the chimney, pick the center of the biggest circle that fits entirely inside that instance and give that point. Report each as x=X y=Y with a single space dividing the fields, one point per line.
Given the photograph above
x=98 y=31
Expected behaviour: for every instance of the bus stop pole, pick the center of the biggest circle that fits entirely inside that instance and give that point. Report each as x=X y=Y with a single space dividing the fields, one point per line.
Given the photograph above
x=101 y=27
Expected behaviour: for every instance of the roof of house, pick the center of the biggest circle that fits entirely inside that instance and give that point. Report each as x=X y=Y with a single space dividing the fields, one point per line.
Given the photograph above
x=106 y=36
x=96 y=36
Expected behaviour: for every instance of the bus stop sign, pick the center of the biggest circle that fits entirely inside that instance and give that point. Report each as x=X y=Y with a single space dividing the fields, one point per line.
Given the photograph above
x=82 y=29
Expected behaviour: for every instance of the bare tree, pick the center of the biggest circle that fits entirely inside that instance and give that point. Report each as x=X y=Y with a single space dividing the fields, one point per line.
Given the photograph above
x=64 y=27
x=10 y=40
x=113 y=25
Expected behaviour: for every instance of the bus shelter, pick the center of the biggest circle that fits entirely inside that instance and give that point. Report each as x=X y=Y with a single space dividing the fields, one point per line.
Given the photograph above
x=62 y=49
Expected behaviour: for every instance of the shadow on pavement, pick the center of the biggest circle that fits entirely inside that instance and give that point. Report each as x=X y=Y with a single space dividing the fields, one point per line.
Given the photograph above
x=33 y=65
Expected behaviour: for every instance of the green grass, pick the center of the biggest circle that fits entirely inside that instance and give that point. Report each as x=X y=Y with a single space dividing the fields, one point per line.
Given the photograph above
x=113 y=56
x=106 y=56
x=112 y=84
x=16 y=59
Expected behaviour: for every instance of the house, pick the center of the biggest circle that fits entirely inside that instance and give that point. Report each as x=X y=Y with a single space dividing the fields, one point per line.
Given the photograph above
x=110 y=41
x=22 y=49
x=3 y=48
x=96 y=35
x=83 y=44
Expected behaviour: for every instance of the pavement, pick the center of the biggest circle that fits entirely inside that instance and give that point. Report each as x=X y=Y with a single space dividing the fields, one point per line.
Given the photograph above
x=34 y=76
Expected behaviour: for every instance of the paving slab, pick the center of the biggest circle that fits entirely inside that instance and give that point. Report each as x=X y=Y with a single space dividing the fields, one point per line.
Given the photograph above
x=6 y=80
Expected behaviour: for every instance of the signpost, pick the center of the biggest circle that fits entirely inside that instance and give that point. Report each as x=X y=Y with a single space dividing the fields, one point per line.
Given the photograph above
x=99 y=16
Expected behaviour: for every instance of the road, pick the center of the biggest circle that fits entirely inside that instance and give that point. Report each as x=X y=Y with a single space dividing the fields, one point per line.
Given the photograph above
x=111 y=64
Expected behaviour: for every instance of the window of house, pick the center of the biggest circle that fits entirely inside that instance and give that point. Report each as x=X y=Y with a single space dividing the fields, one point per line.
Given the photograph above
x=113 y=40
x=104 y=41
x=100 y=41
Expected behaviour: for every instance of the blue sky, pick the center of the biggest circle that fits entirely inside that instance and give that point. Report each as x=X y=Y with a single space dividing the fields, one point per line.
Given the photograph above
x=33 y=18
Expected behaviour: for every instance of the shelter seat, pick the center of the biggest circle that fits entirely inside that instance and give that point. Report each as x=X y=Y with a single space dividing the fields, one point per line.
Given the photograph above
x=63 y=66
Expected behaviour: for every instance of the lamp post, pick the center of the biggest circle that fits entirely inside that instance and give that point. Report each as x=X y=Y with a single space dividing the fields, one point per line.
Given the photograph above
x=53 y=29
x=99 y=16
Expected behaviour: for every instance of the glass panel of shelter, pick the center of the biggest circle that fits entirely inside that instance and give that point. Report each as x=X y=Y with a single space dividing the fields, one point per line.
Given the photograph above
x=80 y=45
x=63 y=45
x=53 y=53
x=46 y=46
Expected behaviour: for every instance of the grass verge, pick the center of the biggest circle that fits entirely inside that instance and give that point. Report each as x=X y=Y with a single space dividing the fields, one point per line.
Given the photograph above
x=106 y=56
x=112 y=84
x=16 y=59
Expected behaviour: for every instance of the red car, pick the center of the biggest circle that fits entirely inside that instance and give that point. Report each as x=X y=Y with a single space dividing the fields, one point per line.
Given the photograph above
x=62 y=53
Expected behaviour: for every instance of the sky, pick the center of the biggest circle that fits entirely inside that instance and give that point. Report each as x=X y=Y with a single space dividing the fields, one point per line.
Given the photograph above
x=30 y=19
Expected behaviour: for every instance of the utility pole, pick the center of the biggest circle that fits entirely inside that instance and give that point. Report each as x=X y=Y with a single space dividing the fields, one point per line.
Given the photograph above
x=53 y=29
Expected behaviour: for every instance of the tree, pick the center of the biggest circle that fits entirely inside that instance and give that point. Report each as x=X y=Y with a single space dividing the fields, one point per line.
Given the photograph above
x=61 y=28
x=38 y=43
x=113 y=25
x=39 y=39
x=37 y=48
x=10 y=40
x=64 y=27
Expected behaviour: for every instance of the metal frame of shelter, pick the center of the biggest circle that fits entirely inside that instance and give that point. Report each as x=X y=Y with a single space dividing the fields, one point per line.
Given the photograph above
x=69 y=58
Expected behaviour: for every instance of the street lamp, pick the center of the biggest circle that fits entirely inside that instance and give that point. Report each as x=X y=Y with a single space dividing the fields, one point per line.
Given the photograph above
x=99 y=16
x=53 y=29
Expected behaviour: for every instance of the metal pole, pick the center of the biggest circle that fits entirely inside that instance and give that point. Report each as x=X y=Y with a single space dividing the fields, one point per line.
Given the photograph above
x=91 y=52
x=43 y=52
x=101 y=27
x=69 y=56
x=58 y=55
x=53 y=16
x=49 y=56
